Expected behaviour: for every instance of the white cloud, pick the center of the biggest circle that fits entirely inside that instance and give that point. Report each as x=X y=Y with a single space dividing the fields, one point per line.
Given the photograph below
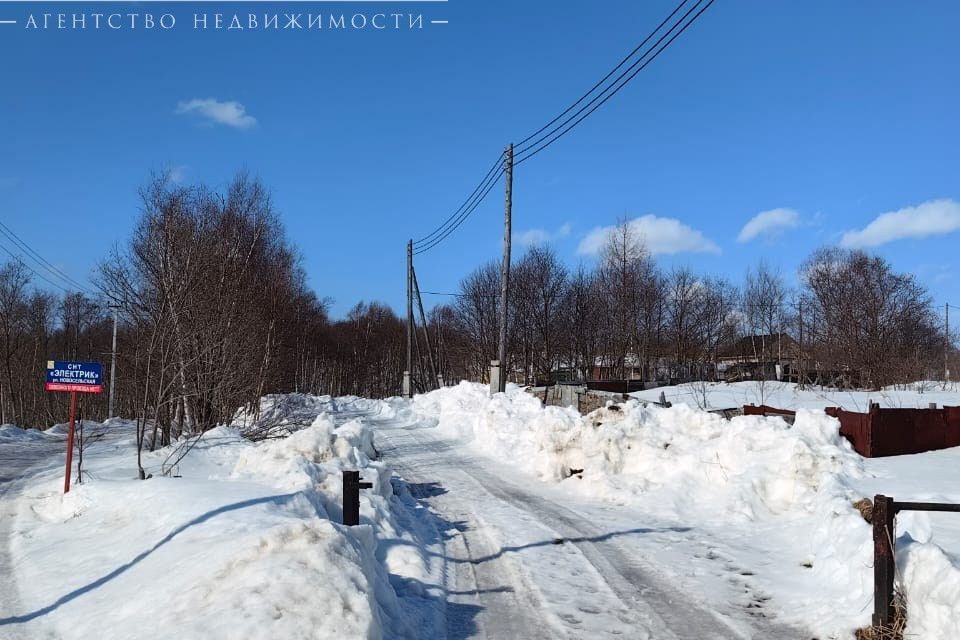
x=232 y=114
x=533 y=237
x=660 y=236
x=769 y=224
x=178 y=174
x=932 y=218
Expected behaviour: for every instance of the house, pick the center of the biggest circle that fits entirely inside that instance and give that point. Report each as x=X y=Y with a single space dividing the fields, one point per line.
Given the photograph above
x=775 y=356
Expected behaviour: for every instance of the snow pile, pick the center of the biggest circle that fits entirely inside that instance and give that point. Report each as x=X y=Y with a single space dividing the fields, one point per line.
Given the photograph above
x=245 y=544
x=509 y=426
x=743 y=475
x=779 y=496
x=932 y=584
x=742 y=467
x=279 y=415
x=928 y=544
x=311 y=461
x=13 y=433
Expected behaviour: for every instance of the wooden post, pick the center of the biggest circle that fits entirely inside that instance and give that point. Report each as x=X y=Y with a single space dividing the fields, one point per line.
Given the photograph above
x=73 y=414
x=505 y=269
x=884 y=563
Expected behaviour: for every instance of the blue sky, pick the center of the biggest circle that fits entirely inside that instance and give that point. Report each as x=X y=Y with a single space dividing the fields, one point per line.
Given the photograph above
x=832 y=113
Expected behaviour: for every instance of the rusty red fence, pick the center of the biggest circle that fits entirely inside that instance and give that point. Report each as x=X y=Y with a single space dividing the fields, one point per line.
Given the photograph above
x=895 y=432
x=888 y=432
x=764 y=410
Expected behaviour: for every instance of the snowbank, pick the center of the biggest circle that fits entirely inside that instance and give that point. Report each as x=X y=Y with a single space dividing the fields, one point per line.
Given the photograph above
x=780 y=495
x=282 y=414
x=512 y=426
x=13 y=433
x=931 y=582
x=244 y=544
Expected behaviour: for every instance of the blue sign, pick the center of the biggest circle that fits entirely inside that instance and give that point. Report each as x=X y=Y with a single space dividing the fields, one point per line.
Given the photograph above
x=81 y=377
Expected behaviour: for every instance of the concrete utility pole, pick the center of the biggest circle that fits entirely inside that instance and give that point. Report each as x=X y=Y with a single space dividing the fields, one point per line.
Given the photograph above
x=946 y=343
x=113 y=362
x=426 y=332
x=802 y=363
x=505 y=272
x=407 y=382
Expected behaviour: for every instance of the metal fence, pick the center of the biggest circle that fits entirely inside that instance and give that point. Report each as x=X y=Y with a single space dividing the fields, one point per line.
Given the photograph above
x=894 y=432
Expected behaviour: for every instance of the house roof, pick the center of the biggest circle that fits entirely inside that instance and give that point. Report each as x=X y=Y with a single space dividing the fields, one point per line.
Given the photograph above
x=763 y=346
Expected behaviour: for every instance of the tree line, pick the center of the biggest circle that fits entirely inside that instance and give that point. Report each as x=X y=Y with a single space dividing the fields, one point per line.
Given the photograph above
x=214 y=311
x=859 y=322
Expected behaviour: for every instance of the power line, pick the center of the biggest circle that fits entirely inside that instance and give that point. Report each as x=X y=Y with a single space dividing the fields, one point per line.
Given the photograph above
x=493 y=168
x=601 y=98
x=466 y=213
x=604 y=79
x=40 y=260
x=20 y=260
x=535 y=142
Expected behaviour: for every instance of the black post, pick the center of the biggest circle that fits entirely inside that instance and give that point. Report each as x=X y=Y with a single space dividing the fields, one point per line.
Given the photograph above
x=351 y=497
x=883 y=560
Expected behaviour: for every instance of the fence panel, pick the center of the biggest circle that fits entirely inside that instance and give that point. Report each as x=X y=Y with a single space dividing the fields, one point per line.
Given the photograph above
x=895 y=432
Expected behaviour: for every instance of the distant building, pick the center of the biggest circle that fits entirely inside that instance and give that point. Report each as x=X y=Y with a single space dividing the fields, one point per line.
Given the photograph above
x=775 y=356
x=606 y=368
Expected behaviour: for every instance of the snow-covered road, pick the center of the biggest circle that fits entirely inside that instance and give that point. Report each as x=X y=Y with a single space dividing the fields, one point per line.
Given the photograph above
x=17 y=464
x=526 y=560
x=487 y=518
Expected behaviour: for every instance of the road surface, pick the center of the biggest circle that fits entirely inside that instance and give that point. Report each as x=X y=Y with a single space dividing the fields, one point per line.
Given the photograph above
x=525 y=560
x=19 y=460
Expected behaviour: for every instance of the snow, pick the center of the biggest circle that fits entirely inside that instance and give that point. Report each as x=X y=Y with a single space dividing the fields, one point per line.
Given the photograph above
x=491 y=516
x=928 y=544
x=11 y=433
x=245 y=544
x=788 y=395
x=774 y=498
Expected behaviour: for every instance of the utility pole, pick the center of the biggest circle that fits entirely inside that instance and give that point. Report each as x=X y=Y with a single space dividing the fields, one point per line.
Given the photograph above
x=407 y=382
x=505 y=270
x=113 y=362
x=802 y=364
x=946 y=343
x=426 y=329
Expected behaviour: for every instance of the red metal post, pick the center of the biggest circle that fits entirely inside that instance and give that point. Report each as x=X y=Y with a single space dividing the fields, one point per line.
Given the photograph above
x=73 y=413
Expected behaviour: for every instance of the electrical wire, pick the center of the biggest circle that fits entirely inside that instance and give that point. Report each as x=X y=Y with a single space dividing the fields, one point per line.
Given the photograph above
x=426 y=238
x=600 y=99
x=535 y=142
x=605 y=78
x=20 y=260
x=466 y=214
x=40 y=260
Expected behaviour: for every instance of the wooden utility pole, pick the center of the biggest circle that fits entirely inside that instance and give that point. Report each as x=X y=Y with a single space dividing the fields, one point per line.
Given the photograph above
x=505 y=270
x=407 y=381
